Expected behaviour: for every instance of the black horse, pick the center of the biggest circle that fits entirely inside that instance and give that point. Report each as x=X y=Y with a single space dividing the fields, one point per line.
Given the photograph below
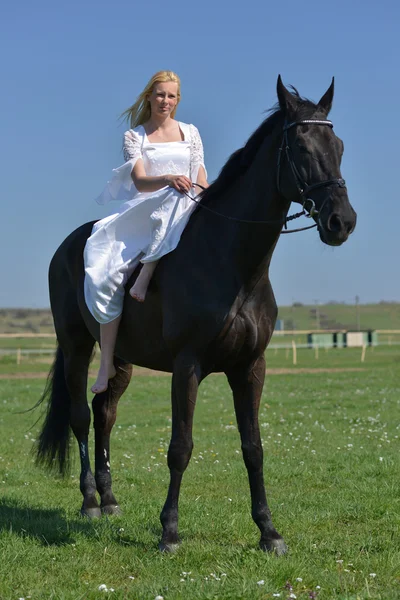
x=210 y=306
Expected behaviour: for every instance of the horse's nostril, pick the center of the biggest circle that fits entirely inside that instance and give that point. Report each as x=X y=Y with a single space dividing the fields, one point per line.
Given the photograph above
x=334 y=223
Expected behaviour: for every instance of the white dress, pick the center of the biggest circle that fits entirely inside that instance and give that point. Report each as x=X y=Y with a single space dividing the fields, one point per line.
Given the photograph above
x=146 y=226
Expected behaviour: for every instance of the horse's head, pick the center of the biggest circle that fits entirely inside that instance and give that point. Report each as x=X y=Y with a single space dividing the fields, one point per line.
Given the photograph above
x=309 y=165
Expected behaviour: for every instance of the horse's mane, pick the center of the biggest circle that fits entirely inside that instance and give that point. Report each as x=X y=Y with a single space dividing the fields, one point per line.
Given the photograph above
x=241 y=159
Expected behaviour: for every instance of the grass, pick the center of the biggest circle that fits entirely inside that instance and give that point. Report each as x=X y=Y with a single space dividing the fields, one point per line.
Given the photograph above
x=277 y=358
x=331 y=443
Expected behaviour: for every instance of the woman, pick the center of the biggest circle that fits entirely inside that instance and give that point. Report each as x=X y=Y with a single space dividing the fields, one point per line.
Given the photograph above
x=163 y=157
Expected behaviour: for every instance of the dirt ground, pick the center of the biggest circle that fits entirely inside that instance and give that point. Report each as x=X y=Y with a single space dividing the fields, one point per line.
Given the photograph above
x=148 y=372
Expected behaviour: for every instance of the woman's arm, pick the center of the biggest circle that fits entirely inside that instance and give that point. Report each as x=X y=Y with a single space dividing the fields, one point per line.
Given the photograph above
x=201 y=177
x=145 y=183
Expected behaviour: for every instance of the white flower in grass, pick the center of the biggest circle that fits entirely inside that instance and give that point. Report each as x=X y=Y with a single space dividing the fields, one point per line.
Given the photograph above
x=159 y=598
x=277 y=595
x=261 y=582
x=103 y=588
x=291 y=595
x=372 y=575
x=317 y=587
x=299 y=579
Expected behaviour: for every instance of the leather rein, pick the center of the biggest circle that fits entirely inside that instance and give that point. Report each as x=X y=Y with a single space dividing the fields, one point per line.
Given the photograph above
x=303 y=187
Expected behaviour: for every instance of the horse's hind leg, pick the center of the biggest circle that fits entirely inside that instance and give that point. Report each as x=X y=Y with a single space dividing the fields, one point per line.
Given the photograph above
x=77 y=355
x=105 y=413
x=247 y=383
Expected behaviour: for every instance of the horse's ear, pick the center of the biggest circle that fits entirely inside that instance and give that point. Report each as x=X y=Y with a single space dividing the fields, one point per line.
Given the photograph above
x=326 y=101
x=287 y=101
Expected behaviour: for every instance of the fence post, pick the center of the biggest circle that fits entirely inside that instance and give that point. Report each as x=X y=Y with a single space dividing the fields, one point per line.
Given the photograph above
x=19 y=356
x=294 y=352
x=363 y=353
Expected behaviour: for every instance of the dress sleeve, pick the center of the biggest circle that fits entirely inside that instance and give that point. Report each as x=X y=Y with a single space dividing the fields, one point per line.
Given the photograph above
x=132 y=147
x=121 y=186
x=197 y=153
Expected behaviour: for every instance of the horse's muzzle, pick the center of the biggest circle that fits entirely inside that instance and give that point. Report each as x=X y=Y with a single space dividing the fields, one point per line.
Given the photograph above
x=336 y=225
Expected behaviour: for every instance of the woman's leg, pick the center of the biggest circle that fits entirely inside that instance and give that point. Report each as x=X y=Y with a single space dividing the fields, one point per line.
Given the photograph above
x=139 y=288
x=108 y=336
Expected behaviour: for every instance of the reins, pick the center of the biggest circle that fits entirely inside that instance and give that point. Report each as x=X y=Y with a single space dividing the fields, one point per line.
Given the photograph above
x=302 y=187
x=249 y=221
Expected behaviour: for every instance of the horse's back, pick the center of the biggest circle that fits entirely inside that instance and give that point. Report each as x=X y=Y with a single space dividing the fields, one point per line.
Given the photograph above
x=69 y=255
x=66 y=274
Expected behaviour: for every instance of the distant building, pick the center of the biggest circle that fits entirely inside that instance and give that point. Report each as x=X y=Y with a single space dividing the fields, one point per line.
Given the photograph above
x=342 y=339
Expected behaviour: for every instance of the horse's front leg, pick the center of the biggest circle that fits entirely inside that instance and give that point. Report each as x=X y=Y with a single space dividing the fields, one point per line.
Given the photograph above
x=185 y=382
x=105 y=413
x=246 y=383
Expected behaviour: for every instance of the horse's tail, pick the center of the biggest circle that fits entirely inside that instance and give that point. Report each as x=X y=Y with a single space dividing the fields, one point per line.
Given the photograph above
x=52 y=448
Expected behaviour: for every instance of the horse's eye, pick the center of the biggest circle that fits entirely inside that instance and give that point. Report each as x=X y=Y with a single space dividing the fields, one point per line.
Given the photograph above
x=302 y=149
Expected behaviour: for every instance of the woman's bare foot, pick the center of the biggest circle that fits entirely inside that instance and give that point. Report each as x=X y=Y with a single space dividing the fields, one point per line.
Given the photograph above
x=103 y=376
x=138 y=290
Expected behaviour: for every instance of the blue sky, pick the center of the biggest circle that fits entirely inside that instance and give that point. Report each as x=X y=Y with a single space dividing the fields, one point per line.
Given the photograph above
x=69 y=69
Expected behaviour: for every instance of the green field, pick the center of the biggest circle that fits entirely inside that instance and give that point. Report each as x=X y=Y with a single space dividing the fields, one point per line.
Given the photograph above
x=385 y=315
x=331 y=443
x=28 y=323
x=277 y=358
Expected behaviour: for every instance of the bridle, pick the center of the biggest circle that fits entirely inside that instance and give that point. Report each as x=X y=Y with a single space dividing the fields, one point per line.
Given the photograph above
x=303 y=187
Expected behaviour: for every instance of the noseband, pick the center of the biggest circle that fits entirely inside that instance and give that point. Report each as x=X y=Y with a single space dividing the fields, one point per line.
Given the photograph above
x=302 y=186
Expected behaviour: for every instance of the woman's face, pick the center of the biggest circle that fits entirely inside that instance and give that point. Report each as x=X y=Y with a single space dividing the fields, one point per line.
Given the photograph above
x=163 y=98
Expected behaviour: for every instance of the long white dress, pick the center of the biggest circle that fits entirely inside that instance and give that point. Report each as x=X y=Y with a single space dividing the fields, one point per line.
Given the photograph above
x=147 y=225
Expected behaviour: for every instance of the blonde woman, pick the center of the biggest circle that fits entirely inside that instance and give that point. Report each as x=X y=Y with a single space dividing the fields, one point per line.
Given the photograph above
x=163 y=157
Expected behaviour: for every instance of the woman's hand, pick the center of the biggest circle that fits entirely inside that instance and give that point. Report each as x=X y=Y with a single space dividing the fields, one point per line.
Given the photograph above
x=180 y=183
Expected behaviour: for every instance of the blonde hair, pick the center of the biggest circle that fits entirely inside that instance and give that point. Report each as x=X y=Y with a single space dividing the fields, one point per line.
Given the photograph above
x=140 y=112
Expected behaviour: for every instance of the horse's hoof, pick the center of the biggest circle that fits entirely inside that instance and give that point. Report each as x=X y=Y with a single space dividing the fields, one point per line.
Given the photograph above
x=111 y=509
x=91 y=513
x=170 y=548
x=277 y=546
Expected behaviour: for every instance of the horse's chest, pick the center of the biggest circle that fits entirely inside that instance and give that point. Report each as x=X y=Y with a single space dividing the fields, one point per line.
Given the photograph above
x=244 y=338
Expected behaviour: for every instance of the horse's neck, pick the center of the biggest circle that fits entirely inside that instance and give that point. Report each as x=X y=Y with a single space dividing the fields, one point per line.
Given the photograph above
x=254 y=197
